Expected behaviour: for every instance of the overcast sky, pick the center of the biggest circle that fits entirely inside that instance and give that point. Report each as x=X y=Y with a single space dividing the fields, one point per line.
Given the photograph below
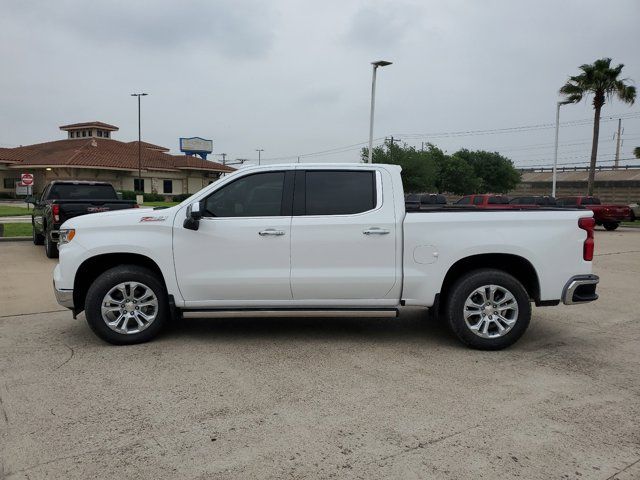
x=294 y=77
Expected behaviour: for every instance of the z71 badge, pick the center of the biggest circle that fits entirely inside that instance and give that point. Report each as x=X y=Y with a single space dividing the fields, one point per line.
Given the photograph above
x=153 y=219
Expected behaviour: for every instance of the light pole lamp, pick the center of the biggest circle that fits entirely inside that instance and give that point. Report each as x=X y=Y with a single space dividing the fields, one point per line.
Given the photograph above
x=139 y=140
x=379 y=63
x=259 y=150
x=554 y=176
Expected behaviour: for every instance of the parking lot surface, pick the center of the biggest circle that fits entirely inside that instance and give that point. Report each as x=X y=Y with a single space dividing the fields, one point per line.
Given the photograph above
x=321 y=398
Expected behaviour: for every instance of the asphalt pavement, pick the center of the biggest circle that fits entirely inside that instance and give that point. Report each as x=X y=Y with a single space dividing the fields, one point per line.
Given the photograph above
x=321 y=398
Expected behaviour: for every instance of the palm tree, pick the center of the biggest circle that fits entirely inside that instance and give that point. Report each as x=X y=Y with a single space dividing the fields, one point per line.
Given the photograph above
x=636 y=152
x=600 y=80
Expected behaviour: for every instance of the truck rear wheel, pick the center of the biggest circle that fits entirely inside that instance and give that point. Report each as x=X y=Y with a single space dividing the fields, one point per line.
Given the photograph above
x=50 y=247
x=126 y=305
x=610 y=226
x=488 y=309
x=38 y=239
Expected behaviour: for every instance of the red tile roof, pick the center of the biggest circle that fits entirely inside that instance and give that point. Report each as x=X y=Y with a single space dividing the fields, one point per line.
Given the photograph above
x=73 y=126
x=150 y=146
x=101 y=153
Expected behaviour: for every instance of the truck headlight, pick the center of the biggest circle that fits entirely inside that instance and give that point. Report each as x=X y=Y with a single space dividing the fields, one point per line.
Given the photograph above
x=65 y=235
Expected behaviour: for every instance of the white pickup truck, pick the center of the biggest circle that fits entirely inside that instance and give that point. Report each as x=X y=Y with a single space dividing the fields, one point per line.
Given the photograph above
x=321 y=240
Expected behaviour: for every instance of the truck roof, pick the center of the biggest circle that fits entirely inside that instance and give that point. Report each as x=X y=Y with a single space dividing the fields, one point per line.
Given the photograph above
x=78 y=182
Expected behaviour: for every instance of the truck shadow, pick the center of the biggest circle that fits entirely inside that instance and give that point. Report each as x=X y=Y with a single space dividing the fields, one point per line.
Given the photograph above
x=408 y=326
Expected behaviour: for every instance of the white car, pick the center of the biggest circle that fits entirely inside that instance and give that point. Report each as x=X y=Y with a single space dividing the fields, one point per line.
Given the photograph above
x=321 y=240
x=635 y=211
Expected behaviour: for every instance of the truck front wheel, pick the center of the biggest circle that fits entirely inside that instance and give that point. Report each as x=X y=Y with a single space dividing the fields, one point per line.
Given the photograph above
x=126 y=305
x=488 y=309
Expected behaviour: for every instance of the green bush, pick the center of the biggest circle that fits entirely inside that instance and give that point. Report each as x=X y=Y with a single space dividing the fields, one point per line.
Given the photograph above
x=148 y=197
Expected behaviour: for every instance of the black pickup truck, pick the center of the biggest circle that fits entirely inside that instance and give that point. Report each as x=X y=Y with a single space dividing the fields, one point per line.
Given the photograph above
x=62 y=200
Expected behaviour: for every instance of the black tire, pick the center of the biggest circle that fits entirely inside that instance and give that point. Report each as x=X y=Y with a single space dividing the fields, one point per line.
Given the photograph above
x=38 y=239
x=109 y=279
x=50 y=247
x=463 y=289
x=610 y=226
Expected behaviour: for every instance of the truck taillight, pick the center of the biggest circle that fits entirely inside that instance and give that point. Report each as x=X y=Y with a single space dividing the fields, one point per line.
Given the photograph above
x=587 y=224
x=55 y=209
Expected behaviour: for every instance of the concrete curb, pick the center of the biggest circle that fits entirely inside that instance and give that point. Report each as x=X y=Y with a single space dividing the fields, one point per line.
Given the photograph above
x=15 y=239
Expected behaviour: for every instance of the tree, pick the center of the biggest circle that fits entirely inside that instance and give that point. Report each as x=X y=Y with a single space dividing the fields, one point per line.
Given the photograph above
x=457 y=176
x=636 y=152
x=418 y=168
x=602 y=81
x=497 y=174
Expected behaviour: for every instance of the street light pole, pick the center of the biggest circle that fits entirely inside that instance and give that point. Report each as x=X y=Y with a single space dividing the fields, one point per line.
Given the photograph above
x=139 y=140
x=380 y=63
x=555 y=152
x=259 y=150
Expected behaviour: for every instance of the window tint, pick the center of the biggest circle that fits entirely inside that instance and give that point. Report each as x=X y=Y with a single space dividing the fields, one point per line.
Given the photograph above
x=590 y=201
x=464 y=201
x=498 y=200
x=339 y=192
x=85 y=192
x=258 y=195
x=167 y=186
x=477 y=200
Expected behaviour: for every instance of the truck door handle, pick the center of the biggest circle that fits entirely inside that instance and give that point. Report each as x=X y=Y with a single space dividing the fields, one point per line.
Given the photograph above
x=376 y=231
x=270 y=231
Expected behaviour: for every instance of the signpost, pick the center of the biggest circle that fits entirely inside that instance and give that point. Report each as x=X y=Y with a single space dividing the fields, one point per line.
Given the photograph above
x=25 y=185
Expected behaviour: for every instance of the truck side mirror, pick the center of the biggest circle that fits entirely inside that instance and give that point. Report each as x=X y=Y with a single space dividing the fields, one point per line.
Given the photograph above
x=194 y=214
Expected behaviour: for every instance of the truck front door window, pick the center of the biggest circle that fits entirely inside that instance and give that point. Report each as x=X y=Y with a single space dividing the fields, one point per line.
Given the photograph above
x=258 y=195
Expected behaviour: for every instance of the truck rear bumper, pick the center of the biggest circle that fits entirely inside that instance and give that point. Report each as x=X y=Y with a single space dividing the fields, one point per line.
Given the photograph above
x=580 y=289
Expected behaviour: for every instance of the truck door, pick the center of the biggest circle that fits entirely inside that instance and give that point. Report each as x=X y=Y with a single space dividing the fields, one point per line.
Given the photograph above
x=241 y=251
x=343 y=235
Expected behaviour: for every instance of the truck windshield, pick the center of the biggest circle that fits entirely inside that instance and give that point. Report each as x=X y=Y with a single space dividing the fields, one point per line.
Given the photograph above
x=69 y=191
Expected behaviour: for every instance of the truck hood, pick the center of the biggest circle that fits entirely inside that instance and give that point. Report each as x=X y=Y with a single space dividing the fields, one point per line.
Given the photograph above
x=131 y=216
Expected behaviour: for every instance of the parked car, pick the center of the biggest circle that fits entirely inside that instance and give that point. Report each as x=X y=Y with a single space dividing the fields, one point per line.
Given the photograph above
x=62 y=200
x=486 y=200
x=607 y=215
x=635 y=211
x=535 y=200
x=317 y=240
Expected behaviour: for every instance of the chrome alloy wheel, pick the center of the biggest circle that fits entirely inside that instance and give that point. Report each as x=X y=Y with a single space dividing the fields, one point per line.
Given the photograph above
x=490 y=311
x=129 y=307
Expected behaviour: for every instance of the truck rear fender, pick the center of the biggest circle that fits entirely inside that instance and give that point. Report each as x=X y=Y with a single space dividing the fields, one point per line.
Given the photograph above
x=517 y=266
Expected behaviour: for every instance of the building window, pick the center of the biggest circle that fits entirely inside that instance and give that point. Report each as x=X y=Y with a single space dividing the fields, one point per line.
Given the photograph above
x=100 y=133
x=167 y=186
x=106 y=134
x=138 y=184
x=10 y=182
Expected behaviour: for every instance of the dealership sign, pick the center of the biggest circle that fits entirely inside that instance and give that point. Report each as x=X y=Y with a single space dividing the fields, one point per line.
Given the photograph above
x=196 y=146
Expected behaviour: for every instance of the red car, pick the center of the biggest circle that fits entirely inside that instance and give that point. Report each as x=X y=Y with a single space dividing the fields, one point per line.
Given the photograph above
x=487 y=200
x=609 y=216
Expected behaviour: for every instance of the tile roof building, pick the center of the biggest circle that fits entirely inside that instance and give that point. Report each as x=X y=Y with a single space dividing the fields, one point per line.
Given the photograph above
x=89 y=153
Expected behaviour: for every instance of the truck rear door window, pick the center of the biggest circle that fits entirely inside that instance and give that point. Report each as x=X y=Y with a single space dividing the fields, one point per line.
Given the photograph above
x=339 y=192
x=69 y=191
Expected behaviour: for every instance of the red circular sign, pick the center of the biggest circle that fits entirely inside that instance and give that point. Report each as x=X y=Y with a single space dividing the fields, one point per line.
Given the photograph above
x=26 y=179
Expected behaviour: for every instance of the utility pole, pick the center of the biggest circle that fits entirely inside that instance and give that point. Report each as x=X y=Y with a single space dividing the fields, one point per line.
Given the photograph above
x=298 y=158
x=618 y=144
x=554 y=175
x=224 y=158
x=259 y=150
x=391 y=140
x=139 y=141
